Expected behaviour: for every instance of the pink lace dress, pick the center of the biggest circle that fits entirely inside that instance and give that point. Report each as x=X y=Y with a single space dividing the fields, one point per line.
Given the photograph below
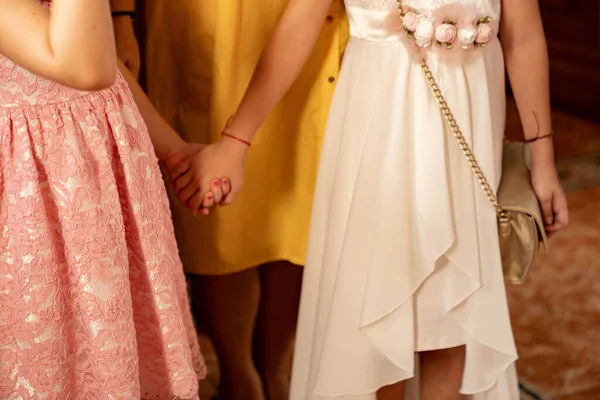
x=92 y=294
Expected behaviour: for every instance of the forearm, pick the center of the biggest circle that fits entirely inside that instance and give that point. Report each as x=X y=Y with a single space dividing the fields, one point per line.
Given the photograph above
x=280 y=64
x=164 y=139
x=122 y=5
x=526 y=58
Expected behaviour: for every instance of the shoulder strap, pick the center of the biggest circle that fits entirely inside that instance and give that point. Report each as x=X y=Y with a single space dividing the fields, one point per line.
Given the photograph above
x=464 y=146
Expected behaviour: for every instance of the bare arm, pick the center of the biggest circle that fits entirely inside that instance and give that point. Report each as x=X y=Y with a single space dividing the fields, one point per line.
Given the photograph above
x=164 y=139
x=73 y=45
x=128 y=49
x=526 y=55
x=122 y=5
x=282 y=60
x=280 y=64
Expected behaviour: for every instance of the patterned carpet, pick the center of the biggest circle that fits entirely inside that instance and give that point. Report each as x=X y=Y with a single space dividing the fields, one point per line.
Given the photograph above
x=556 y=315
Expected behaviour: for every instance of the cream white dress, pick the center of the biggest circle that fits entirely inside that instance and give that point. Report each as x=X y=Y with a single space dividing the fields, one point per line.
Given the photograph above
x=403 y=253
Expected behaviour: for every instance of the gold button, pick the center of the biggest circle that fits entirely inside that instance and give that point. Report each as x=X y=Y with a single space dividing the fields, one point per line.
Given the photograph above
x=331 y=79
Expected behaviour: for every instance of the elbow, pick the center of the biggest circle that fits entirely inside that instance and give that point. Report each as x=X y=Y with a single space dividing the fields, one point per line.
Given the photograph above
x=101 y=81
x=89 y=74
x=99 y=74
x=95 y=79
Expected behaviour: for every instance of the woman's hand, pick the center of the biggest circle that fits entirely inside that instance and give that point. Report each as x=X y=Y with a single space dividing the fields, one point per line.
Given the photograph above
x=204 y=176
x=551 y=195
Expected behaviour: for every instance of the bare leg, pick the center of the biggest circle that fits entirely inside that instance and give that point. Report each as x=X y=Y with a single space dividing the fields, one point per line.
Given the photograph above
x=441 y=374
x=227 y=307
x=276 y=326
x=392 y=392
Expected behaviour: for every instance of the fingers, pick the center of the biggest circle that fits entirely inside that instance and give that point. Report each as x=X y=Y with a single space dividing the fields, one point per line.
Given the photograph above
x=182 y=181
x=195 y=203
x=561 y=213
x=233 y=189
x=547 y=212
x=186 y=194
x=215 y=188
x=230 y=198
x=225 y=187
x=190 y=193
x=177 y=168
x=202 y=204
x=201 y=198
x=182 y=160
x=198 y=203
x=559 y=224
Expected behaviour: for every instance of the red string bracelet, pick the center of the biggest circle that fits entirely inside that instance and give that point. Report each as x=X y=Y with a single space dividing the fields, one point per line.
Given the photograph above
x=535 y=139
x=224 y=133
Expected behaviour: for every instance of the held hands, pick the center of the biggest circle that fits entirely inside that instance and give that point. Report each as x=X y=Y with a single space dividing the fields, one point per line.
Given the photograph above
x=204 y=176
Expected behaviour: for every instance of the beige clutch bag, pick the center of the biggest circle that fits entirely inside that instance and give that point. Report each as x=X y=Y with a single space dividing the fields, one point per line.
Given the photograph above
x=520 y=226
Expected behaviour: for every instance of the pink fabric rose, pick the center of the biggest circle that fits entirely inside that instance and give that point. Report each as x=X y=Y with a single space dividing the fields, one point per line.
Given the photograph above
x=445 y=33
x=484 y=33
x=410 y=21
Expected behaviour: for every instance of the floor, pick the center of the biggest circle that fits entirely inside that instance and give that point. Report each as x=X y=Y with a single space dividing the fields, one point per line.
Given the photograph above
x=556 y=315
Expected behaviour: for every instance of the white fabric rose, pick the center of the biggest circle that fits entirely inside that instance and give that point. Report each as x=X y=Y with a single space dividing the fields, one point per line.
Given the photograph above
x=466 y=36
x=424 y=33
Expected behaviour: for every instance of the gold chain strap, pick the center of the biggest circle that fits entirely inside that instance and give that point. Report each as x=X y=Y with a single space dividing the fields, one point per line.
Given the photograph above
x=400 y=8
x=464 y=146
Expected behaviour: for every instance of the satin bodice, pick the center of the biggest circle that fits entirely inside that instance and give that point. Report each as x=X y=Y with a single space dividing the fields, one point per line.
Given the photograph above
x=425 y=27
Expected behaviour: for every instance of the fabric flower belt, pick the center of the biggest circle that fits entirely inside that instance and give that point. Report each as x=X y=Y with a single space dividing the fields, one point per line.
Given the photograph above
x=452 y=27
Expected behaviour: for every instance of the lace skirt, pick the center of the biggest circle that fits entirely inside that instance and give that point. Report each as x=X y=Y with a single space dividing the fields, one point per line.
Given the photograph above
x=92 y=294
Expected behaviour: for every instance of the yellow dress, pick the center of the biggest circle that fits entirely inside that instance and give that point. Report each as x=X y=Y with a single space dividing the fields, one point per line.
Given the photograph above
x=199 y=60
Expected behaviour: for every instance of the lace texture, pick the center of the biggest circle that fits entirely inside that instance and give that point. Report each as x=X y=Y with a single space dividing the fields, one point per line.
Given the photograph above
x=480 y=5
x=92 y=295
x=373 y=4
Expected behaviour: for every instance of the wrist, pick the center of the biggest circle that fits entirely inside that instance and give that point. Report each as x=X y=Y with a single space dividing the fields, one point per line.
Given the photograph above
x=123 y=23
x=542 y=153
x=172 y=147
x=227 y=134
x=123 y=15
x=243 y=126
x=234 y=146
